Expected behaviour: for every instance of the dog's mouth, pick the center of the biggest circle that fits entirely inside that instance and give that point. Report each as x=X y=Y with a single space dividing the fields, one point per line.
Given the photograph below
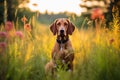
x=62 y=33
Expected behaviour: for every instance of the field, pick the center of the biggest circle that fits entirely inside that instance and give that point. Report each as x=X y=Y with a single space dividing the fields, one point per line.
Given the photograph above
x=24 y=53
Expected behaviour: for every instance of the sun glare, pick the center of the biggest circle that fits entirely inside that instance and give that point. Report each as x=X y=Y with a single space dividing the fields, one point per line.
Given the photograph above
x=55 y=6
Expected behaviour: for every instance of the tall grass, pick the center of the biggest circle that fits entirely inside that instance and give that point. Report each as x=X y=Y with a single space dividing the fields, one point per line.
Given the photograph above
x=97 y=56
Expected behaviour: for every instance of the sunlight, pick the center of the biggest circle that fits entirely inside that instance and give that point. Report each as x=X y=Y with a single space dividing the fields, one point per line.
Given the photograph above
x=55 y=6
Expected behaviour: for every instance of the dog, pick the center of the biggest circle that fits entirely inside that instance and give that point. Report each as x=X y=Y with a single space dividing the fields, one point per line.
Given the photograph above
x=62 y=53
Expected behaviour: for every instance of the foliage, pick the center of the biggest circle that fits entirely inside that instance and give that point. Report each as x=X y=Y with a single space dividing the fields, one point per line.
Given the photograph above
x=11 y=8
x=97 y=55
x=49 y=18
x=1 y=10
x=25 y=48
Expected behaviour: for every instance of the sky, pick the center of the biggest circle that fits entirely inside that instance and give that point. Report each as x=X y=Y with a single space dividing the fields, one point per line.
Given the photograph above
x=55 y=6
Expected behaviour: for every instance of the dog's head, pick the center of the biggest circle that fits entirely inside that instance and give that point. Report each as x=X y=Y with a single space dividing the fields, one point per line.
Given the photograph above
x=62 y=26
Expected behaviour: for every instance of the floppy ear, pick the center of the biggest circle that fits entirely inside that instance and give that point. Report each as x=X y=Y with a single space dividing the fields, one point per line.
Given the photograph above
x=53 y=27
x=71 y=28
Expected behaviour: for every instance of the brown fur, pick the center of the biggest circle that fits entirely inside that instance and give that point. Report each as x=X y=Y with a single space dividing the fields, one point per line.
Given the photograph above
x=66 y=55
x=49 y=68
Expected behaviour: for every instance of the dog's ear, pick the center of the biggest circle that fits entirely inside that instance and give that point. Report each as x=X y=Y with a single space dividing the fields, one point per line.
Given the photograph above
x=71 y=27
x=53 y=27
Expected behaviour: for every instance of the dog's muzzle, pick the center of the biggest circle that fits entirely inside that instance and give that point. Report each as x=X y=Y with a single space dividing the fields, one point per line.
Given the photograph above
x=61 y=31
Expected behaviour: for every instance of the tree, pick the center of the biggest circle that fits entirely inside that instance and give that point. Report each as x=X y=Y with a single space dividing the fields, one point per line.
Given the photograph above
x=1 y=10
x=12 y=5
x=90 y=4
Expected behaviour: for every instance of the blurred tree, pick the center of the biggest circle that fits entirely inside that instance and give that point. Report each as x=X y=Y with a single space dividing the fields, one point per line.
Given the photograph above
x=1 y=10
x=90 y=4
x=12 y=6
x=49 y=18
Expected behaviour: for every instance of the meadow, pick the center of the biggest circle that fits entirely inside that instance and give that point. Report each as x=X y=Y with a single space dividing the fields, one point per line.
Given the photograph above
x=25 y=51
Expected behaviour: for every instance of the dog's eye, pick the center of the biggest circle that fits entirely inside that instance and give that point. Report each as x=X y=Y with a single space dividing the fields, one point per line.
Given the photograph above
x=58 y=24
x=65 y=24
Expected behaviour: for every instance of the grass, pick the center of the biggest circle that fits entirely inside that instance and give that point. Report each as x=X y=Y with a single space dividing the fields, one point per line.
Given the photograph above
x=97 y=55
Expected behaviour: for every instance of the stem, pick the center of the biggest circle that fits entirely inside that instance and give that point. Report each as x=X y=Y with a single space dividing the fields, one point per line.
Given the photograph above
x=5 y=11
x=83 y=23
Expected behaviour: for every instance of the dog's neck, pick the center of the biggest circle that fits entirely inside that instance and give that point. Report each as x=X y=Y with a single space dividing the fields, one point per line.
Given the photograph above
x=62 y=39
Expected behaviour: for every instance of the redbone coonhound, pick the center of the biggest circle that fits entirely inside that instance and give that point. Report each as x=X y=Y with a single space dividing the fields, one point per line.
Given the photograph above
x=62 y=53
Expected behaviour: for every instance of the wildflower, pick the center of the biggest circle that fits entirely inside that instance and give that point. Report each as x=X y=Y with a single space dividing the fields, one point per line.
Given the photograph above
x=27 y=27
x=8 y=26
x=2 y=46
x=11 y=34
x=111 y=41
x=3 y=34
x=24 y=19
x=19 y=34
x=97 y=13
x=101 y=17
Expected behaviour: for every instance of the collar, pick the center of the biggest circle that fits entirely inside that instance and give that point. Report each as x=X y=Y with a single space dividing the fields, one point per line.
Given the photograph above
x=62 y=41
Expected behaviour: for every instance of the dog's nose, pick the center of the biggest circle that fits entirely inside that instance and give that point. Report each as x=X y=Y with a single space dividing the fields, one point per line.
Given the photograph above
x=61 y=31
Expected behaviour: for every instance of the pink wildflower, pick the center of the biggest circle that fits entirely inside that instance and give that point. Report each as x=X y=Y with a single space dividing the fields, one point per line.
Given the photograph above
x=8 y=26
x=19 y=34
x=97 y=13
x=3 y=34
x=2 y=46
x=101 y=17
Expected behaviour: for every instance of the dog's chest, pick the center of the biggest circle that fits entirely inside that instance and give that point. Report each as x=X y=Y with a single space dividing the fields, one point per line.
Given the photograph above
x=62 y=47
x=60 y=54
